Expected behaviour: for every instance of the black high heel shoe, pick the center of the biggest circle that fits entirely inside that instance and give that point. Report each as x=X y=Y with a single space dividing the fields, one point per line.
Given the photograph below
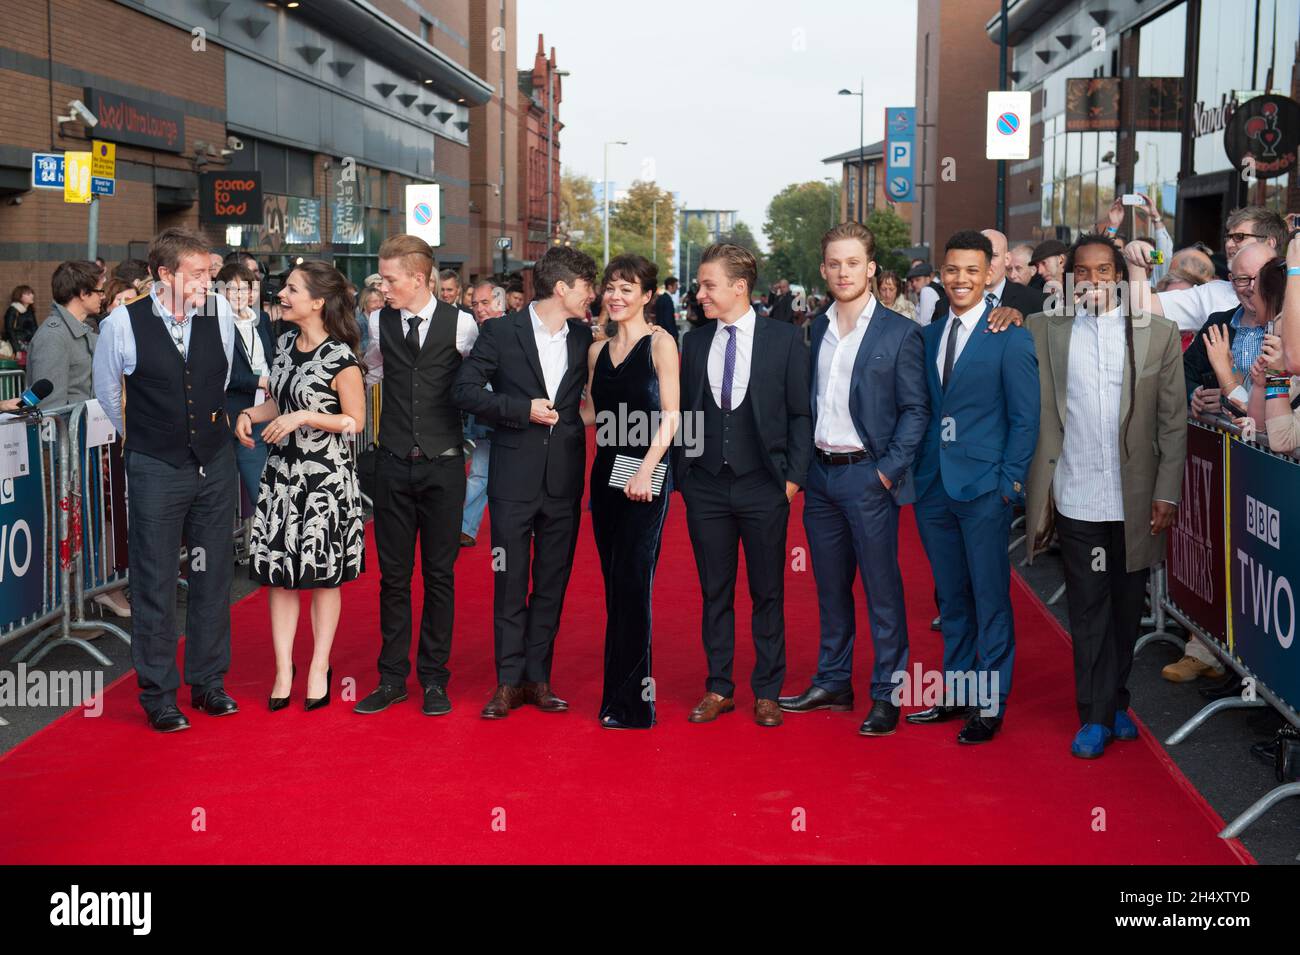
x=280 y=702
x=316 y=704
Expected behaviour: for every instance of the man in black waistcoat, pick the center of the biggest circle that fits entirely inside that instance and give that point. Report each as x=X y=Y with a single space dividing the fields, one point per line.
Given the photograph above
x=535 y=359
x=746 y=379
x=172 y=348
x=416 y=344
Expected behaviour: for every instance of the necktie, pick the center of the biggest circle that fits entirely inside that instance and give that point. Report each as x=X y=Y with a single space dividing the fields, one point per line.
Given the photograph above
x=990 y=299
x=950 y=354
x=728 y=367
x=413 y=336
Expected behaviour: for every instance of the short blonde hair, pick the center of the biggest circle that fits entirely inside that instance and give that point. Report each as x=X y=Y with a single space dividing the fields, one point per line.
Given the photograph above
x=850 y=230
x=414 y=253
x=737 y=263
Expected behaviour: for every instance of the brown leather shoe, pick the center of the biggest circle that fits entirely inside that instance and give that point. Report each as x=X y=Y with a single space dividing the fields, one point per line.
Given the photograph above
x=505 y=699
x=711 y=707
x=543 y=697
x=767 y=713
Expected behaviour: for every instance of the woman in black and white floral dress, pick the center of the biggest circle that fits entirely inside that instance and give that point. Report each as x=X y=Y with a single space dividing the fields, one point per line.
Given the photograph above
x=308 y=532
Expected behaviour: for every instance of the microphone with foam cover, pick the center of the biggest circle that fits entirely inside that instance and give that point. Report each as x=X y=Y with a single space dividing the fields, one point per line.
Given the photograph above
x=33 y=396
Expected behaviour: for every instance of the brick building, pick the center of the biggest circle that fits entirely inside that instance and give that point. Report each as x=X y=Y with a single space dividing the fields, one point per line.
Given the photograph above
x=539 y=154
x=312 y=96
x=865 y=166
x=956 y=187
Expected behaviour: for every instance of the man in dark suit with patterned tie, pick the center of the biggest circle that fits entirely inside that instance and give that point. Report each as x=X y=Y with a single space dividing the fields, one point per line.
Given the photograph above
x=752 y=461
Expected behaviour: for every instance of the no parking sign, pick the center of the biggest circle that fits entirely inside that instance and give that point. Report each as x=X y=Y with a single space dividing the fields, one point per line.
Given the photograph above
x=1008 y=125
x=423 y=212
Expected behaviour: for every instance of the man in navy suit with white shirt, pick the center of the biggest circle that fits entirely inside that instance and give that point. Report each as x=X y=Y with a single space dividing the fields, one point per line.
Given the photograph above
x=971 y=471
x=870 y=408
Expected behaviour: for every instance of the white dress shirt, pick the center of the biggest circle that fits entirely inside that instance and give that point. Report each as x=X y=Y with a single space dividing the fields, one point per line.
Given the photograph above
x=1087 y=484
x=965 y=324
x=744 y=352
x=552 y=351
x=926 y=300
x=1188 y=308
x=466 y=335
x=996 y=291
x=835 y=359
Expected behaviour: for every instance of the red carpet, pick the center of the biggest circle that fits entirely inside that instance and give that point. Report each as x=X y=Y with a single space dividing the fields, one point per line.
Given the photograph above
x=333 y=787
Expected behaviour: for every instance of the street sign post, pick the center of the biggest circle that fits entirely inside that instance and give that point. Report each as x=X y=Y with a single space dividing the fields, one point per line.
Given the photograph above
x=47 y=171
x=900 y=141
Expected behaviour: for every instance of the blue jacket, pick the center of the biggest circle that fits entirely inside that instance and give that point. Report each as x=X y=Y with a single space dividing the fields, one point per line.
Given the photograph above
x=984 y=428
x=889 y=400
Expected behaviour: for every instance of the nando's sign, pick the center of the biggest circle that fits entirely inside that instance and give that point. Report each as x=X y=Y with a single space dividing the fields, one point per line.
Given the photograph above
x=1263 y=135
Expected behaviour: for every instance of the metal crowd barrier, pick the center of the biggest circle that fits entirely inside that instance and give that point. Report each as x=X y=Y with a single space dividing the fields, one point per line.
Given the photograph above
x=67 y=507
x=1165 y=608
x=12 y=382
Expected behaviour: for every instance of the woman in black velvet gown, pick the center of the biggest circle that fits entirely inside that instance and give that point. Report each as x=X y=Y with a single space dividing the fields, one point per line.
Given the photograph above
x=633 y=401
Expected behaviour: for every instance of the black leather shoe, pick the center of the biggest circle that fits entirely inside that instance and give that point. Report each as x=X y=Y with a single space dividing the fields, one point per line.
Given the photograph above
x=280 y=702
x=939 y=714
x=881 y=721
x=309 y=704
x=435 y=701
x=1224 y=689
x=1265 y=752
x=979 y=729
x=215 y=702
x=168 y=719
x=937 y=624
x=380 y=699
x=815 y=698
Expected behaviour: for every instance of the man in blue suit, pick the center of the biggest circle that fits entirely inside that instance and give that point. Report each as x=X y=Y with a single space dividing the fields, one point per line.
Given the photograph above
x=970 y=472
x=870 y=406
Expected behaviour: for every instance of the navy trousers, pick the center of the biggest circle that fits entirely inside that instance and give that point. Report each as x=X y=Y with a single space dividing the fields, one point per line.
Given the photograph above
x=966 y=542
x=168 y=505
x=852 y=526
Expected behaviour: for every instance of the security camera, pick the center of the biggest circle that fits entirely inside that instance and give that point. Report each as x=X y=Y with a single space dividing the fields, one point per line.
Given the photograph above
x=80 y=111
x=235 y=143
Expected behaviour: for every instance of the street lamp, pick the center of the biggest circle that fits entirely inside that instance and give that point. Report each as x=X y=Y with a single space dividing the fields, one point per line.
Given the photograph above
x=550 y=150
x=614 y=142
x=861 y=94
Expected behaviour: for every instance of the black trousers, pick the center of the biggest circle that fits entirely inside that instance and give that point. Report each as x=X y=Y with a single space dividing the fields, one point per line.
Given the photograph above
x=423 y=498
x=1105 y=608
x=531 y=541
x=722 y=513
x=168 y=504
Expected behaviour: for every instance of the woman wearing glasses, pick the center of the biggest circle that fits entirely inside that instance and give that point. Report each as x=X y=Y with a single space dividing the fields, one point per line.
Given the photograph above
x=308 y=533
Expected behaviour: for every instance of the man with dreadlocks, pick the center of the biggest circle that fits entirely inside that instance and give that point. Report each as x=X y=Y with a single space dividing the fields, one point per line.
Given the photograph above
x=1107 y=473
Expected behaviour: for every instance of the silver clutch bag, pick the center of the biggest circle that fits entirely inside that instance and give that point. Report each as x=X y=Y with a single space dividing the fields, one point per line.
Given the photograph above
x=625 y=466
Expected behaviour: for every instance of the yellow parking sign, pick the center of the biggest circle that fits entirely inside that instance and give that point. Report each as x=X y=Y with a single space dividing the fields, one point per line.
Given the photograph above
x=76 y=177
x=103 y=160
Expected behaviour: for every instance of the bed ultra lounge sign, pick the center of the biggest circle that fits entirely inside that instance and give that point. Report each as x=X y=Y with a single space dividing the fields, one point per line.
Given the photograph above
x=126 y=120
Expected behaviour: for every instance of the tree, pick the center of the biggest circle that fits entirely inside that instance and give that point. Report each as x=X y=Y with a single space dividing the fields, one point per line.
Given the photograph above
x=580 y=220
x=694 y=240
x=797 y=217
x=892 y=234
x=635 y=222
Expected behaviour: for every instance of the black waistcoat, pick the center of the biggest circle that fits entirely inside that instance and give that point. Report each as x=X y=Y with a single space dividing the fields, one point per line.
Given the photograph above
x=176 y=408
x=417 y=410
x=730 y=437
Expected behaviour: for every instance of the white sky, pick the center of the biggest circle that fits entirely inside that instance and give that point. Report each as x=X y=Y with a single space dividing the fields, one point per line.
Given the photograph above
x=724 y=101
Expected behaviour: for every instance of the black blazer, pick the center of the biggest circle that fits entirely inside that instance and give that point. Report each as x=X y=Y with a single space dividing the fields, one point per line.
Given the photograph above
x=777 y=395
x=665 y=314
x=526 y=458
x=243 y=383
x=783 y=308
x=1196 y=362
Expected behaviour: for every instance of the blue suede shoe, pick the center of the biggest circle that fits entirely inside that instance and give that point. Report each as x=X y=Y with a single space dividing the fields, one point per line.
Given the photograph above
x=1125 y=728
x=1090 y=741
